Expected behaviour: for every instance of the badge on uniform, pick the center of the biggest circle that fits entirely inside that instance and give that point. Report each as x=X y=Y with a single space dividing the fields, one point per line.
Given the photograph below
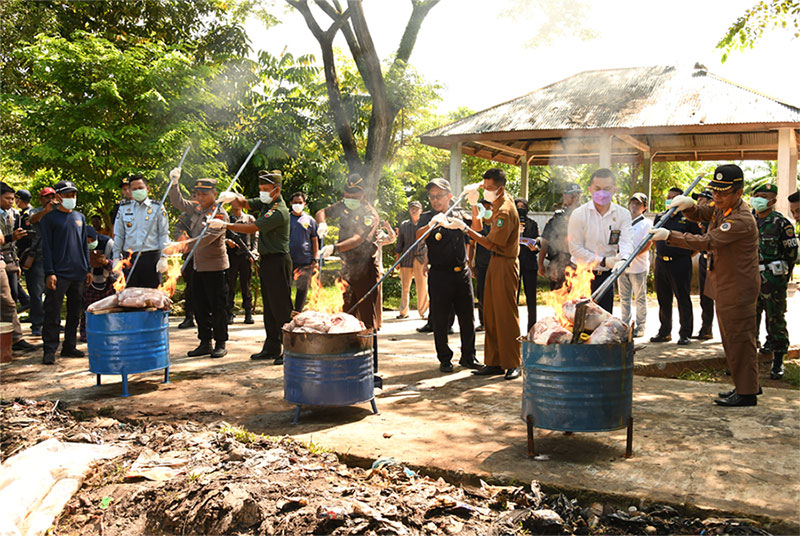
x=500 y=222
x=438 y=236
x=129 y=224
x=150 y=210
x=725 y=226
x=367 y=220
x=613 y=237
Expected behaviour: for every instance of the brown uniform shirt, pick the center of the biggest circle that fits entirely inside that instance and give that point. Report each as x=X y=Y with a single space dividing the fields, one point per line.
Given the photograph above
x=211 y=254
x=504 y=228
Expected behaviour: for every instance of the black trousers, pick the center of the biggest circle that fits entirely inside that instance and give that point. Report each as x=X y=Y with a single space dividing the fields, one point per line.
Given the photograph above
x=606 y=301
x=706 y=303
x=480 y=287
x=302 y=279
x=240 y=268
x=53 y=299
x=276 y=294
x=188 y=275
x=528 y=280
x=145 y=275
x=209 y=298
x=452 y=291
x=674 y=278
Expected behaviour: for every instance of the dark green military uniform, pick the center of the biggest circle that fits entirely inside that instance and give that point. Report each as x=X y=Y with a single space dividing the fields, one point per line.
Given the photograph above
x=777 y=251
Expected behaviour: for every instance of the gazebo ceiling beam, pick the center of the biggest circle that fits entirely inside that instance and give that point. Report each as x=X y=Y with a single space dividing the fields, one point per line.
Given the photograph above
x=502 y=147
x=630 y=140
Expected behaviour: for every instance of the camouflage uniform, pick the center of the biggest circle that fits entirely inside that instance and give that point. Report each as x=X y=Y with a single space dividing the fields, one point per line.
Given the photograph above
x=777 y=251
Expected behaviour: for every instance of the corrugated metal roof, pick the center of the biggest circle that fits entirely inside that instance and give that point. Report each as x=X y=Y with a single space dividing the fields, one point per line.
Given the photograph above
x=660 y=96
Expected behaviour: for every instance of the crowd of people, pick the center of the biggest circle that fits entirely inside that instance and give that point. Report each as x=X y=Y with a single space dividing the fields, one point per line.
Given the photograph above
x=746 y=256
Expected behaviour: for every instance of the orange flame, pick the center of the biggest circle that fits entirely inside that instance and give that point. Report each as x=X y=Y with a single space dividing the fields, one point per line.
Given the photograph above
x=118 y=268
x=319 y=300
x=172 y=274
x=577 y=285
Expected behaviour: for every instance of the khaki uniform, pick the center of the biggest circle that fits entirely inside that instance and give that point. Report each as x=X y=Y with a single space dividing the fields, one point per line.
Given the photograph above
x=733 y=282
x=500 y=313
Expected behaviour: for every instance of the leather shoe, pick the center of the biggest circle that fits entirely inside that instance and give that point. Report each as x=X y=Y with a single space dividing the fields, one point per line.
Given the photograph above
x=278 y=360
x=777 y=372
x=219 y=350
x=661 y=338
x=71 y=352
x=683 y=341
x=263 y=355
x=728 y=394
x=471 y=364
x=23 y=346
x=446 y=367
x=186 y=324
x=489 y=371
x=512 y=374
x=248 y=318
x=737 y=400
x=427 y=328
x=703 y=336
x=231 y=318
x=203 y=349
x=764 y=350
x=49 y=359
x=479 y=328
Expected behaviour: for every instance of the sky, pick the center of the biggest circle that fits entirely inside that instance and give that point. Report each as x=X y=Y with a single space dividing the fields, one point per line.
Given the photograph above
x=479 y=51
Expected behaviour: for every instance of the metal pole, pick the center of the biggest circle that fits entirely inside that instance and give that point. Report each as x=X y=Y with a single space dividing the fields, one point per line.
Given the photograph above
x=150 y=227
x=608 y=283
x=216 y=208
x=406 y=252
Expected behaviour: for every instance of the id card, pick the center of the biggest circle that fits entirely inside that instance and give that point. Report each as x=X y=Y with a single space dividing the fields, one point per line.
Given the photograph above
x=613 y=237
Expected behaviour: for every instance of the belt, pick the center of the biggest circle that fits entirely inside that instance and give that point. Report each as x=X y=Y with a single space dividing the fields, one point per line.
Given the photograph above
x=502 y=256
x=665 y=258
x=457 y=269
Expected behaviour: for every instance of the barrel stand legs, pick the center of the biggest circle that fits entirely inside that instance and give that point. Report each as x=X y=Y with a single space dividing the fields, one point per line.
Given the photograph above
x=296 y=418
x=124 y=385
x=166 y=375
x=531 y=449
x=378 y=381
x=629 y=439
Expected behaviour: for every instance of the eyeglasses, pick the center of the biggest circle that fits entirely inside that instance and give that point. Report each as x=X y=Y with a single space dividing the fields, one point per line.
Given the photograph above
x=436 y=197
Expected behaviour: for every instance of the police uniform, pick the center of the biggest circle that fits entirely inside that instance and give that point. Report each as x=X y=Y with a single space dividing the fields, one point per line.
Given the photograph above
x=706 y=303
x=733 y=279
x=673 y=277
x=115 y=210
x=449 y=285
x=133 y=233
x=777 y=252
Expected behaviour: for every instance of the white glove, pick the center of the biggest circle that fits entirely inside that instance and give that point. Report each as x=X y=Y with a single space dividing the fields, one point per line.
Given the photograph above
x=618 y=265
x=472 y=194
x=162 y=265
x=682 y=202
x=322 y=230
x=659 y=234
x=456 y=223
x=326 y=251
x=175 y=176
x=439 y=219
x=227 y=197
x=217 y=224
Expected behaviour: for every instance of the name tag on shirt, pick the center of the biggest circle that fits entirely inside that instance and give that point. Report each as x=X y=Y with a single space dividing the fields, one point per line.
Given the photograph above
x=613 y=238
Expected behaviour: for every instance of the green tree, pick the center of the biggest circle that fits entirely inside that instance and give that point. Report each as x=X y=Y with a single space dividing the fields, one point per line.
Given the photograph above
x=764 y=16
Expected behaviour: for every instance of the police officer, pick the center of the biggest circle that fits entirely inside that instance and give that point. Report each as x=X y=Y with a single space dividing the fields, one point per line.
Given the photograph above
x=777 y=252
x=141 y=225
x=449 y=277
x=357 y=247
x=706 y=304
x=528 y=263
x=733 y=278
x=125 y=190
x=673 y=276
x=553 y=245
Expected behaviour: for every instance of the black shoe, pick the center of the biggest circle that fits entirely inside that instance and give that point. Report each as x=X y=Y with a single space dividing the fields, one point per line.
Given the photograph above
x=36 y=332
x=446 y=367
x=728 y=394
x=480 y=327
x=470 y=363
x=737 y=400
x=278 y=360
x=203 y=349
x=231 y=318
x=450 y=331
x=263 y=354
x=764 y=350
x=704 y=336
x=186 y=324
x=683 y=341
x=219 y=350
x=71 y=352
x=24 y=346
x=248 y=318
x=512 y=374
x=777 y=371
x=661 y=338
x=427 y=328
x=401 y=317
x=49 y=359
x=489 y=371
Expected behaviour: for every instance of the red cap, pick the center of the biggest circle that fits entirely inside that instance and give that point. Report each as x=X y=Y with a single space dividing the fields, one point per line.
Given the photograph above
x=46 y=191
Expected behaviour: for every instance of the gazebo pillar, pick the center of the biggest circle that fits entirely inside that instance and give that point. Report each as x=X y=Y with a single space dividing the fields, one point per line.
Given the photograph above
x=523 y=176
x=455 y=168
x=787 y=167
x=605 y=150
x=647 y=165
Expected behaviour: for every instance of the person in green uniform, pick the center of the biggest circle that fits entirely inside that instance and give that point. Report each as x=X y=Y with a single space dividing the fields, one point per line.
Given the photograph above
x=777 y=252
x=275 y=265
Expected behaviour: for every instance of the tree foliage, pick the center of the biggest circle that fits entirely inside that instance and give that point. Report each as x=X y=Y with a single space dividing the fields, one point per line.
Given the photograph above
x=764 y=16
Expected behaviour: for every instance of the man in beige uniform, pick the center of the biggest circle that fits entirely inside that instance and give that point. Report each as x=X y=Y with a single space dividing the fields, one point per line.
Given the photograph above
x=733 y=279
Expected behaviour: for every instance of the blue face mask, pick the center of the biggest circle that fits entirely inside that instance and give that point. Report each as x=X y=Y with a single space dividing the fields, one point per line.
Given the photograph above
x=759 y=204
x=667 y=203
x=484 y=213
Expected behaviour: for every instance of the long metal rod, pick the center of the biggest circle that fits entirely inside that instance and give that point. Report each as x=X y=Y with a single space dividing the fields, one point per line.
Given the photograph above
x=216 y=208
x=608 y=283
x=406 y=252
x=150 y=227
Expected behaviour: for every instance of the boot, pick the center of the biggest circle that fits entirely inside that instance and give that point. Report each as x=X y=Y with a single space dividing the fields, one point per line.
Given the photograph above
x=231 y=318
x=203 y=349
x=219 y=350
x=777 y=366
x=766 y=349
x=248 y=317
x=188 y=322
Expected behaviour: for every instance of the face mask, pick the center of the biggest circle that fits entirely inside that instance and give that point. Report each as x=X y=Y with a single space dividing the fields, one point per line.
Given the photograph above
x=352 y=204
x=265 y=197
x=69 y=202
x=490 y=195
x=759 y=203
x=601 y=197
x=523 y=213
x=298 y=207
x=484 y=213
x=93 y=245
x=139 y=195
x=667 y=203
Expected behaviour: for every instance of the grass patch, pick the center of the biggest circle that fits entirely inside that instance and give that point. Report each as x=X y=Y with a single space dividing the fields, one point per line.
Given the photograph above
x=792 y=374
x=316 y=448
x=697 y=375
x=240 y=434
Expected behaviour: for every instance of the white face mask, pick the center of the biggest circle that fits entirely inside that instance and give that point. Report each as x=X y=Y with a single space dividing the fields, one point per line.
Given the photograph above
x=265 y=197
x=93 y=245
x=69 y=202
x=490 y=195
x=298 y=207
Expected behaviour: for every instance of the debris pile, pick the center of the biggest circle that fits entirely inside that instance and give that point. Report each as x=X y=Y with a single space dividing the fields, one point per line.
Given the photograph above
x=321 y=322
x=132 y=298
x=184 y=478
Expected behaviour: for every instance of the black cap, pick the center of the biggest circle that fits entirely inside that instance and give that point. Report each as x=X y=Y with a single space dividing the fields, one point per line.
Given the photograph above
x=726 y=177
x=414 y=204
x=205 y=184
x=91 y=232
x=5 y=188
x=63 y=187
x=440 y=183
x=272 y=177
x=705 y=193
x=571 y=188
x=795 y=197
x=124 y=181
x=354 y=184
x=25 y=195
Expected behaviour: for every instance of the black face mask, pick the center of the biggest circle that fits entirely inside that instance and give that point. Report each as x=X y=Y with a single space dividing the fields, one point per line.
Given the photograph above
x=523 y=213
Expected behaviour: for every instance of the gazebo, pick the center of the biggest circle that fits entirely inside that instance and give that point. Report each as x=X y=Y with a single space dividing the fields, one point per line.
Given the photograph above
x=635 y=115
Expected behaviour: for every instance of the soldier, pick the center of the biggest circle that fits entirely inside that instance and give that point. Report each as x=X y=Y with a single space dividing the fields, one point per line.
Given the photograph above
x=449 y=277
x=500 y=311
x=777 y=252
x=733 y=279
x=673 y=276
x=135 y=231
x=706 y=304
x=209 y=283
x=357 y=247
x=553 y=246
x=240 y=257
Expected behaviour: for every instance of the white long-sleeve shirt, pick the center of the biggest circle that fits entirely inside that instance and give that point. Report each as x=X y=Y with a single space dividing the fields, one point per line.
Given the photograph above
x=589 y=235
x=642 y=261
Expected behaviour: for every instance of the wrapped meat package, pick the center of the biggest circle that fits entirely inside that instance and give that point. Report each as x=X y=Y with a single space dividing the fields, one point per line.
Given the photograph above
x=595 y=315
x=109 y=302
x=549 y=331
x=611 y=331
x=319 y=322
x=142 y=298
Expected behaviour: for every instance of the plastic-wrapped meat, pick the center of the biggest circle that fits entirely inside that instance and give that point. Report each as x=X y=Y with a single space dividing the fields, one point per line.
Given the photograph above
x=345 y=323
x=319 y=322
x=595 y=315
x=109 y=302
x=141 y=298
x=549 y=331
x=611 y=331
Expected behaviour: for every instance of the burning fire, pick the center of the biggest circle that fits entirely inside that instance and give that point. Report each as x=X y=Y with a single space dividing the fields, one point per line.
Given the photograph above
x=319 y=300
x=577 y=285
x=172 y=274
x=118 y=268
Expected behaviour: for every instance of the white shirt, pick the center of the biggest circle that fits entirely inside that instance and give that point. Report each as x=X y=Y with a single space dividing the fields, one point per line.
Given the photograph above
x=590 y=232
x=642 y=262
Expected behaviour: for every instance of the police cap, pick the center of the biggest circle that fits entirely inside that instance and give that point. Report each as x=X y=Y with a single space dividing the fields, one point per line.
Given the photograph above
x=705 y=193
x=205 y=184
x=24 y=195
x=124 y=181
x=413 y=204
x=726 y=177
x=354 y=184
x=439 y=183
x=63 y=187
x=571 y=188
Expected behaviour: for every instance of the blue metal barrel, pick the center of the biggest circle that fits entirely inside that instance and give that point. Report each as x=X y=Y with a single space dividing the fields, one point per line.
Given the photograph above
x=577 y=387
x=128 y=343
x=328 y=379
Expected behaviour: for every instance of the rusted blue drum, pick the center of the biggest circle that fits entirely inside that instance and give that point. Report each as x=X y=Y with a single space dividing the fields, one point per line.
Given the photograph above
x=128 y=343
